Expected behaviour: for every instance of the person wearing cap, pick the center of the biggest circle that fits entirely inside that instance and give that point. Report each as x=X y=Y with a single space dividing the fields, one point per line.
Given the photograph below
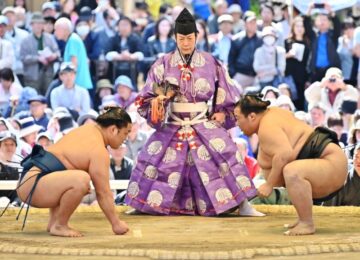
x=88 y=118
x=15 y=35
x=126 y=94
x=7 y=56
x=269 y=59
x=9 y=162
x=44 y=139
x=308 y=162
x=75 y=52
x=222 y=40
x=284 y=102
x=241 y=55
x=38 y=53
x=49 y=9
x=38 y=106
x=69 y=94
x=220 y=8
x=189 y=146
x=324 y=40
x=331 y=91
x=59 y=177
x=29 y=130
x=238 y=24
x=103 y=88
x=267 y=19
x=107 y=101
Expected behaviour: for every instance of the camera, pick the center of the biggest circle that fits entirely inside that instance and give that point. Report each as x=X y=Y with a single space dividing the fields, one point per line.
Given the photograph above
x=332 y=80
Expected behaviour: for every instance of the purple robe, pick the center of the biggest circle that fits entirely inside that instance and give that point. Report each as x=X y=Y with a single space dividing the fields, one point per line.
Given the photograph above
x=194 y=170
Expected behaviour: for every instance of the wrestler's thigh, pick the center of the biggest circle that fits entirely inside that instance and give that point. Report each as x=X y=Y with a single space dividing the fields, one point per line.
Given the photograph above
x=325 y=175
x=52 y=186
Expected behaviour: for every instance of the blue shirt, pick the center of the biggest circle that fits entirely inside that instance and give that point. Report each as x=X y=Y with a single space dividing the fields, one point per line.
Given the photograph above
x=75 y=47
x=76 y=98
x=322 y=59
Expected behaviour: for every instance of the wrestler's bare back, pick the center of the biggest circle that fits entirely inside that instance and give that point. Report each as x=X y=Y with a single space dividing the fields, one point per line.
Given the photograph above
x=278 y=120
x=76 y=149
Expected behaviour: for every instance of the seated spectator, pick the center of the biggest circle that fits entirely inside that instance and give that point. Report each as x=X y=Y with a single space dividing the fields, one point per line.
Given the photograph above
x=44 y=139
x=336 y=123
x=202 y=40
x=241 y=56
x=347 y=112
x=331 y=91
x=269 y=59
x=9 y=89
x=353 y=138
x=349 y=195
x=121 y=167
x=70 y=95
x=317 y=113
x=20 y=105
x=16 y=36
x=103 y=88
x=7 y=56
x=88 y=118
x=159 y=44
x=235 y=11
x=270 y=93
x=285 y=102
x=9 y=162
x=37 y=110
x=107 y=101
x=126 y=94
x=250 y=162
x=29 y=130
x=136 y=138
x=222 y=40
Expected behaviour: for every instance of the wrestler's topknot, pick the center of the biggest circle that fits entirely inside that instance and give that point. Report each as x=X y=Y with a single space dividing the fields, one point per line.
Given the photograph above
x=114 y=116
x=252 y=103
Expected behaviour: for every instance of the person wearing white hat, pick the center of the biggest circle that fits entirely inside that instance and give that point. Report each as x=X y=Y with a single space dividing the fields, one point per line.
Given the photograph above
x=223 y=38
x=241 y=56
x=126 y=93
x=7 y=55
x=269 y=59
x=235 y=11
x=44 y=139
x=15 y=35
x=29 y=130
x=331 y=91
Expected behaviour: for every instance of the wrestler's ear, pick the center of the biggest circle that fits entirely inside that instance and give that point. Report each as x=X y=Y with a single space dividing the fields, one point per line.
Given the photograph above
x=252 y=116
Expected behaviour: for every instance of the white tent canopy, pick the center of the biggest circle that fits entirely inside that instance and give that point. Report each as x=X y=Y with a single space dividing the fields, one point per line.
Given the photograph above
x=336 y=5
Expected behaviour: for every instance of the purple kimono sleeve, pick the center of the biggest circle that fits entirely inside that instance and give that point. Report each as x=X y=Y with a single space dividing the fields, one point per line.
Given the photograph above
x=227 y=96
x=143 y=100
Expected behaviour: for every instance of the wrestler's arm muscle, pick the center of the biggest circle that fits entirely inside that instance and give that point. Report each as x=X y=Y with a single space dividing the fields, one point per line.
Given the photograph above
x=273 y=141
x=99 y=173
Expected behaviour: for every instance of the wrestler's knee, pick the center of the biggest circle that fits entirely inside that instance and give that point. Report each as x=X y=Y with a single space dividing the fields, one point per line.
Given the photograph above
x=82 y=181
x=290 y=174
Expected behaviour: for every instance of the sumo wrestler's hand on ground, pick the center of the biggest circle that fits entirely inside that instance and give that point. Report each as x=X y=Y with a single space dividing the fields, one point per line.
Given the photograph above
x=265 y=190
x=120 y=228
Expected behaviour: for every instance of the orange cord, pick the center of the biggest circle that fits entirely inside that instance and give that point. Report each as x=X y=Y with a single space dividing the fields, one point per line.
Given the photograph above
x=157 y=110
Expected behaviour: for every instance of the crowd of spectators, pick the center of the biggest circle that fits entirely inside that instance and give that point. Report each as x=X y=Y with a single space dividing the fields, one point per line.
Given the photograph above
x=60 y=67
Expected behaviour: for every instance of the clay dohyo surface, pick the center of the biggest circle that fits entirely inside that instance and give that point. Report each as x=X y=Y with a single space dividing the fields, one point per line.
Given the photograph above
x=184 y=237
